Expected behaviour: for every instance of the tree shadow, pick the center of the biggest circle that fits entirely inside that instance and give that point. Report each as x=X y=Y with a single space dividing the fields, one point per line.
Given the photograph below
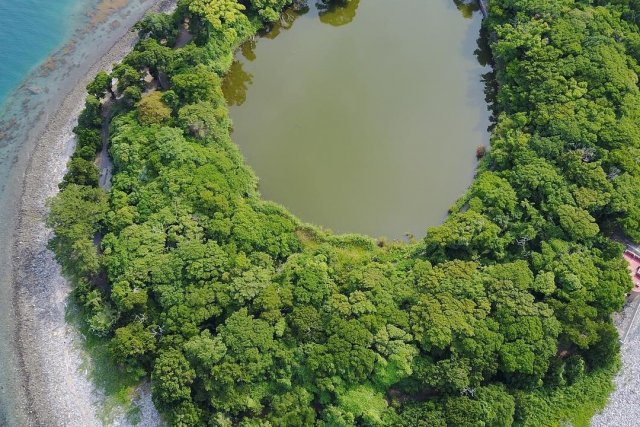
x=467 y=7
x=248 y=49
x=236 y=83
x=287 y=18
x=333 y=12
x=337 y=12
x=484 y=56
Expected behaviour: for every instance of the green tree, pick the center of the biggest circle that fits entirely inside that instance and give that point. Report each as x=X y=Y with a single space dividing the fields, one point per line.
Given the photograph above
x=269 y=10
x=219 y=13
x=158 y=26
x=198 y=84
x=81 y=172
x=100 y=85
x=203 y=121
x=577 y=222
x=76 y=215
x=152 y=110
x=171 y=379
x=132 y=346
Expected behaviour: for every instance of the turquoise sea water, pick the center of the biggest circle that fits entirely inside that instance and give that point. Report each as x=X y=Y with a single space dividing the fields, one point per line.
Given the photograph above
x=31 y=30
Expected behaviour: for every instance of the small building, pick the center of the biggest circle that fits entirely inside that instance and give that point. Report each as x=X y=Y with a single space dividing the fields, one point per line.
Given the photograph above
x=633 y=260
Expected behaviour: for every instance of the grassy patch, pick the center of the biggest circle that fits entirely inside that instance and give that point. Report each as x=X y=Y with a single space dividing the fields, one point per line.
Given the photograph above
x=574 y=405
x=117 y=385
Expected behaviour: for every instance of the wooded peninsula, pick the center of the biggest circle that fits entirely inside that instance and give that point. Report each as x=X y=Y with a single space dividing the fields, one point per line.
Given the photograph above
x=240 y=314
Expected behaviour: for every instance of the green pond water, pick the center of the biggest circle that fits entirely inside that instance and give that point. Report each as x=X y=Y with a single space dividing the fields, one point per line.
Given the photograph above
x=363 y=118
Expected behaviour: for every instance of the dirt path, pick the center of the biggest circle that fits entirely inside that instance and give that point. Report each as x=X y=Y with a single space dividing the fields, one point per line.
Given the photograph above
x=103 y=160
x=183 y=38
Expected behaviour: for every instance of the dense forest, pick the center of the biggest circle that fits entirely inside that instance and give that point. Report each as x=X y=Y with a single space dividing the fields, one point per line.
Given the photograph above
x=242 y=315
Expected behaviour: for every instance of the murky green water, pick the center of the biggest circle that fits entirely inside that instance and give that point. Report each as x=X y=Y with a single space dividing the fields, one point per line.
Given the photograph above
x=364 y=118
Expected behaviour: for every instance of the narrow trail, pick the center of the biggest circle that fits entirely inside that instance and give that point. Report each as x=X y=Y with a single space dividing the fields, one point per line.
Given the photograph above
x=183 y=38
x=103 y=160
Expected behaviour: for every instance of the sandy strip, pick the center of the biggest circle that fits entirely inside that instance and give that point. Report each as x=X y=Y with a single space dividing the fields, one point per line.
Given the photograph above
x=53 y=390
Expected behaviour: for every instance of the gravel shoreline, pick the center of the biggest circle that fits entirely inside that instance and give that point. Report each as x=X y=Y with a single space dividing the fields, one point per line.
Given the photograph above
x=52 y=391
x=622 y=408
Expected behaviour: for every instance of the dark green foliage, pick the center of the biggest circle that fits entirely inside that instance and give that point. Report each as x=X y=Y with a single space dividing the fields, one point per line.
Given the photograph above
x=131 y=95
x=100 y=85
x=201 y=120
x=88 y=138
x=158 y=26
x=91 y=116
x=151 y=55
x=81 y=171
x=425 y=414
x=197 y=84
x=269 y=10
x=131 y=346
x=172 y=377
x=77 y=217
x=127 y=77
x=243 y=316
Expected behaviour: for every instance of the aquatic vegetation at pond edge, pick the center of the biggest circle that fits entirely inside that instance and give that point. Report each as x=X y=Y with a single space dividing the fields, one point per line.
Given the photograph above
x=242 y=315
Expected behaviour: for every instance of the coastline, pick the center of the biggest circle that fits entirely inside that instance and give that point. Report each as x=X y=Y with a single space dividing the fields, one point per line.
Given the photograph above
x=622 y=407
x=49 y=388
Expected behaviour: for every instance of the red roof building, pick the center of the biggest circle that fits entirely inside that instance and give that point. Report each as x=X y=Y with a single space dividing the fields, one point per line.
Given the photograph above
x=634 y=269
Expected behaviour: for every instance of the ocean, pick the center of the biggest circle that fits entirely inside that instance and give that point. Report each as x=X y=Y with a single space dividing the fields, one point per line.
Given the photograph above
x=32 y=29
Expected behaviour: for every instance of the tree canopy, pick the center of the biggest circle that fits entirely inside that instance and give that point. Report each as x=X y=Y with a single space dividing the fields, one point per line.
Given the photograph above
x=242 y=315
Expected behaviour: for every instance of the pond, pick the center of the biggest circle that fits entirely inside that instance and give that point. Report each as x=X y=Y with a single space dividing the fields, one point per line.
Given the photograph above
x=366 y=117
